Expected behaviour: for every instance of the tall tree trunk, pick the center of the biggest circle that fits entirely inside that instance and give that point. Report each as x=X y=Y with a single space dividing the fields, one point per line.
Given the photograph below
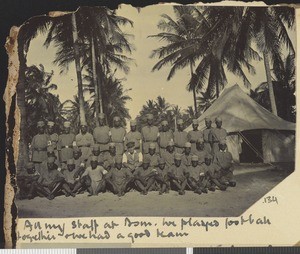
x=194 y=92
x=270 y=84
x=78 y=69
x=95 y=80
x=99 y=85
x=23 y=149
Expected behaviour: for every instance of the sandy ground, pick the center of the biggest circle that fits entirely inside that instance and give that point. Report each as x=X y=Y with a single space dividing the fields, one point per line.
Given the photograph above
x=253 y=182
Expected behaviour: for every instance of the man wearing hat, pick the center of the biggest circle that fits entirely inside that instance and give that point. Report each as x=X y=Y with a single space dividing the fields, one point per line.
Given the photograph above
x=212 y=174
x=217 y=134
x=95 y=152
x=27 y=181
x=194 y=135
x=54 y=180
x=187 y=155
x=206 y=135
x=53 y=137
x=109 y=158
x=144 y=176
x=177 y=174
x=196 y=177
x=149 y=134
x=223 y=159
x=180 y=137
x=119 y=178
x=65 y=144
x=134 y=136
x=101 y=133
x=152 y=155
x=165 y=136
x=70 y=176
x=51 y=152
x=132 y=158
x=200 y=151
x=118 y=136
x=85 y=141
x=162 y=177
x=96 y=173
x=169 y=154
x=39 y=145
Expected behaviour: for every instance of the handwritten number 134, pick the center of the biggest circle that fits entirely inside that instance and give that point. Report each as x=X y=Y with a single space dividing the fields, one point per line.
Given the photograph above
x=270 y=199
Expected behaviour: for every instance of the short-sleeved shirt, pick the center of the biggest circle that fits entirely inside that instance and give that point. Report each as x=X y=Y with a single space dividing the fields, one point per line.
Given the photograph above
x=150 y=133
x=117 y=134
x=101 y=134
x=223 y=159
x=133 y=136
x=195 y=172
x=164 y=138
x=178 y=171
x=180 y=138
x=96 y=174
x=117 y=176
x=193 y=136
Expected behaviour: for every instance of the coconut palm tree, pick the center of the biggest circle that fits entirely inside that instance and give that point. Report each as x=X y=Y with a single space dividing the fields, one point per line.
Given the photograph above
x=205 y=101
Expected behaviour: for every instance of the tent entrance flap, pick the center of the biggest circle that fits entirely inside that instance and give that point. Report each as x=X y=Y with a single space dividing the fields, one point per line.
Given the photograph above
x=252 y=148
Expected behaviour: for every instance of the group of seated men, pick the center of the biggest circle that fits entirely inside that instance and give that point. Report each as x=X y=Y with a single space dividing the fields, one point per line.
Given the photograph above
x=112 y=160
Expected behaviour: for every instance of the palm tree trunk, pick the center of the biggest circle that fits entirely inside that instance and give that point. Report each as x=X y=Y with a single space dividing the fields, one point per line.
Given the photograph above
x=95 y=80
x=78 y=70
x=194 y=92
x=269 y=81
x=99 y=88
x=23 y=149
x=217 y=89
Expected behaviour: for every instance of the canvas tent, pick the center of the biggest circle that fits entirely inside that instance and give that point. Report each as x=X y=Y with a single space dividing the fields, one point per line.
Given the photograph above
x=254 y=132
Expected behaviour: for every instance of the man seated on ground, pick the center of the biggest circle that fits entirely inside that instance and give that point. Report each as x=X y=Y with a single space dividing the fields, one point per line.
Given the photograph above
x=212 y=174
x=144 y=176
x=200 y=151
x=119 y=178
x=187 y=156
x=27 y=182
x=177 y=174
x=153 y=155
x=132 y=158
x=223 y=159
x=53 y=180
x=96 y=174
x=169 y=154
x=109 y=158
x=95 y=152
x=162 y=177
x=195 y=176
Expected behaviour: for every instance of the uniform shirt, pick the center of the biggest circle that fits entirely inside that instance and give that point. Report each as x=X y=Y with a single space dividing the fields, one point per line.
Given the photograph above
x=180 y=138
x=85 y=141
x=96 y=174
x=164 y=138
x=39 y=145
x=153 y=159
x=88 y=162
x=48 y=176
x=218 y=134
x=195 y=172
x=117 y=176
x=63 y=141
x=206 y=135
x=163 y=172
x=201 y=155
x=109 y=160
x=150 y=133
x=144 y=173
x=193 y=136
x=117 y=134
x=178 y=171
x=134 y=136
x=132 y=159
x=223 y=159
x=212 y=168
x=101 y=134
x=169 y=158
x=53 y=139
x=186 y=159
x=69 y=175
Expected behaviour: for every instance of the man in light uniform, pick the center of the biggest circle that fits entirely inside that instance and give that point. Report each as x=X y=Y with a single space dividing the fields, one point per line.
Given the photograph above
x=84 y=140
x=194 y=135
x=187 y=155
x=65 y=144
x=118 y=135
x=101 y=133
x=53 y=137
x=217 y=134
x=165 y=136
x=152 y=155
x=169 y=154
x=206 y=135
x=110 y=157
x=180 y=137
x=200 y=151
x=177 y=174
x=39 y=145
x=149 y=134
x=134 y=136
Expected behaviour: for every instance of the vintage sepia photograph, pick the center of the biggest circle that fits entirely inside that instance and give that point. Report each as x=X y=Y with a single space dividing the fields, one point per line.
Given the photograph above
x=166 y=110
